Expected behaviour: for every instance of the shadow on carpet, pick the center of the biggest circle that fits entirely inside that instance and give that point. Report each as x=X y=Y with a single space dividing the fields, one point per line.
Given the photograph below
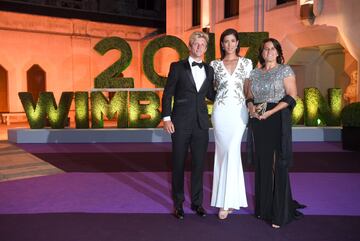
x=347 y=162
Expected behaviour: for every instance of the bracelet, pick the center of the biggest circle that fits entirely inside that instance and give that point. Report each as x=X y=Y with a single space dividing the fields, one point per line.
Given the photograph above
x=249 y=100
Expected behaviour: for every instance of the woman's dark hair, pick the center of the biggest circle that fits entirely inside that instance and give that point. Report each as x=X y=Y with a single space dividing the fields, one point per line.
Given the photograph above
x=229 y=31
x=279 y=59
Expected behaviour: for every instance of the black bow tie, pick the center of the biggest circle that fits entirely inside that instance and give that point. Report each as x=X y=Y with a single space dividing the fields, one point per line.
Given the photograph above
x=198 y=64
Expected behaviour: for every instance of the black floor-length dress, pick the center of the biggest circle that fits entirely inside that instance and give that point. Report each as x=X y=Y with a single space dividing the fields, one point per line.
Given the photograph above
x=272 y=185
x=271 y=153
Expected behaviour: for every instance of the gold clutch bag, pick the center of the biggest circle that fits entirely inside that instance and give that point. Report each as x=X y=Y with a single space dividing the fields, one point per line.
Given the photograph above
x=260 y=108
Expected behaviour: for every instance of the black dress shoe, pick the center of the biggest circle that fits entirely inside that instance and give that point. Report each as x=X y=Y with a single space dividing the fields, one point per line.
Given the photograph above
x=199 y=210
x=179 y=213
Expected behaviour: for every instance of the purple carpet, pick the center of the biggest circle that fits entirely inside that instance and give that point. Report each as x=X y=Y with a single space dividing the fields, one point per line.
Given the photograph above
x=121 y=191
x=149 y=192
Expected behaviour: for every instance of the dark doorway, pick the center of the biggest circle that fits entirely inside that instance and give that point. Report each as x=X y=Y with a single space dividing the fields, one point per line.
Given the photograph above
x=4 y=104
x=36 y=81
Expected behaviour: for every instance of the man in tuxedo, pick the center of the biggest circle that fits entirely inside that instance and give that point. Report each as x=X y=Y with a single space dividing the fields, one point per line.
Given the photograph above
x=189 y=82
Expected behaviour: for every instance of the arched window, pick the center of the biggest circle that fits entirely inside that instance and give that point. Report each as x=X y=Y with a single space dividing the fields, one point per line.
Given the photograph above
x=4 y=104
x=196 y=12
x=36 y=81
x=279 y=2
x=231 y=8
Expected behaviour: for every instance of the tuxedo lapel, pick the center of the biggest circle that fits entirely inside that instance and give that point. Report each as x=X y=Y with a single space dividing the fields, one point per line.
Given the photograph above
x=189 y=73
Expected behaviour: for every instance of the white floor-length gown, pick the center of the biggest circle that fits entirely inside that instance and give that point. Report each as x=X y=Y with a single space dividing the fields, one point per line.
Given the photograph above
x=229 y=119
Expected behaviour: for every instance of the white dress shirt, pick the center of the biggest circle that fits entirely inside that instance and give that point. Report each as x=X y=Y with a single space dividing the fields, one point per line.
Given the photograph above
x=198 y=73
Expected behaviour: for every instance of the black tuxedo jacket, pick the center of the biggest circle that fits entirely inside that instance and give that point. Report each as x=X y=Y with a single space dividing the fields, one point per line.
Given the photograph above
x=189 y=104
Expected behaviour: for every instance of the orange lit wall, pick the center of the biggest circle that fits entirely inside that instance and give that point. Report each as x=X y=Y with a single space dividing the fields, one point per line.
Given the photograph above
x=64 y=49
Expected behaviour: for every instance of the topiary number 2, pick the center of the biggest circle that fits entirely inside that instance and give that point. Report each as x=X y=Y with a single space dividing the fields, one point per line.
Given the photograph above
x=112 y=76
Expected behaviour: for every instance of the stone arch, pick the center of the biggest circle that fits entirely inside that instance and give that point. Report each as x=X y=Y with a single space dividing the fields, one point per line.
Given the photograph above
x=320 y=58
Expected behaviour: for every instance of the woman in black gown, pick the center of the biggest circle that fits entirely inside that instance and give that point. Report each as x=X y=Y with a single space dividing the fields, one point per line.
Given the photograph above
x=270 y=100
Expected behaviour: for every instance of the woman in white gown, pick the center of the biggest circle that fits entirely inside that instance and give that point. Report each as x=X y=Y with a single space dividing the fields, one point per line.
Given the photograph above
x=229 y=119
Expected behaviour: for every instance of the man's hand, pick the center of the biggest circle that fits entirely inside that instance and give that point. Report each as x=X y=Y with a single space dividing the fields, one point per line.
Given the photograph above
x=169 y=127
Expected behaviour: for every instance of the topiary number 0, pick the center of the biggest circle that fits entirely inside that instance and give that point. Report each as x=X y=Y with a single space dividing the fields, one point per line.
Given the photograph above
x=149 y=53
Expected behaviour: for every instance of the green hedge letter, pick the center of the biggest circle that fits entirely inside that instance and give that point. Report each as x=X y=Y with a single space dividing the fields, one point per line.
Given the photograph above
x=298 y=111
x=318 y=112
x=46 y=107
x=253 y=41
x=100 y=106
x=144 y=109
x=82 y=109
x=112 y=76
x=150 y=51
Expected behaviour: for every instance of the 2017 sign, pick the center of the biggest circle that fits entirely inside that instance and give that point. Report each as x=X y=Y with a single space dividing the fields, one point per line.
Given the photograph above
x=140 y=108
